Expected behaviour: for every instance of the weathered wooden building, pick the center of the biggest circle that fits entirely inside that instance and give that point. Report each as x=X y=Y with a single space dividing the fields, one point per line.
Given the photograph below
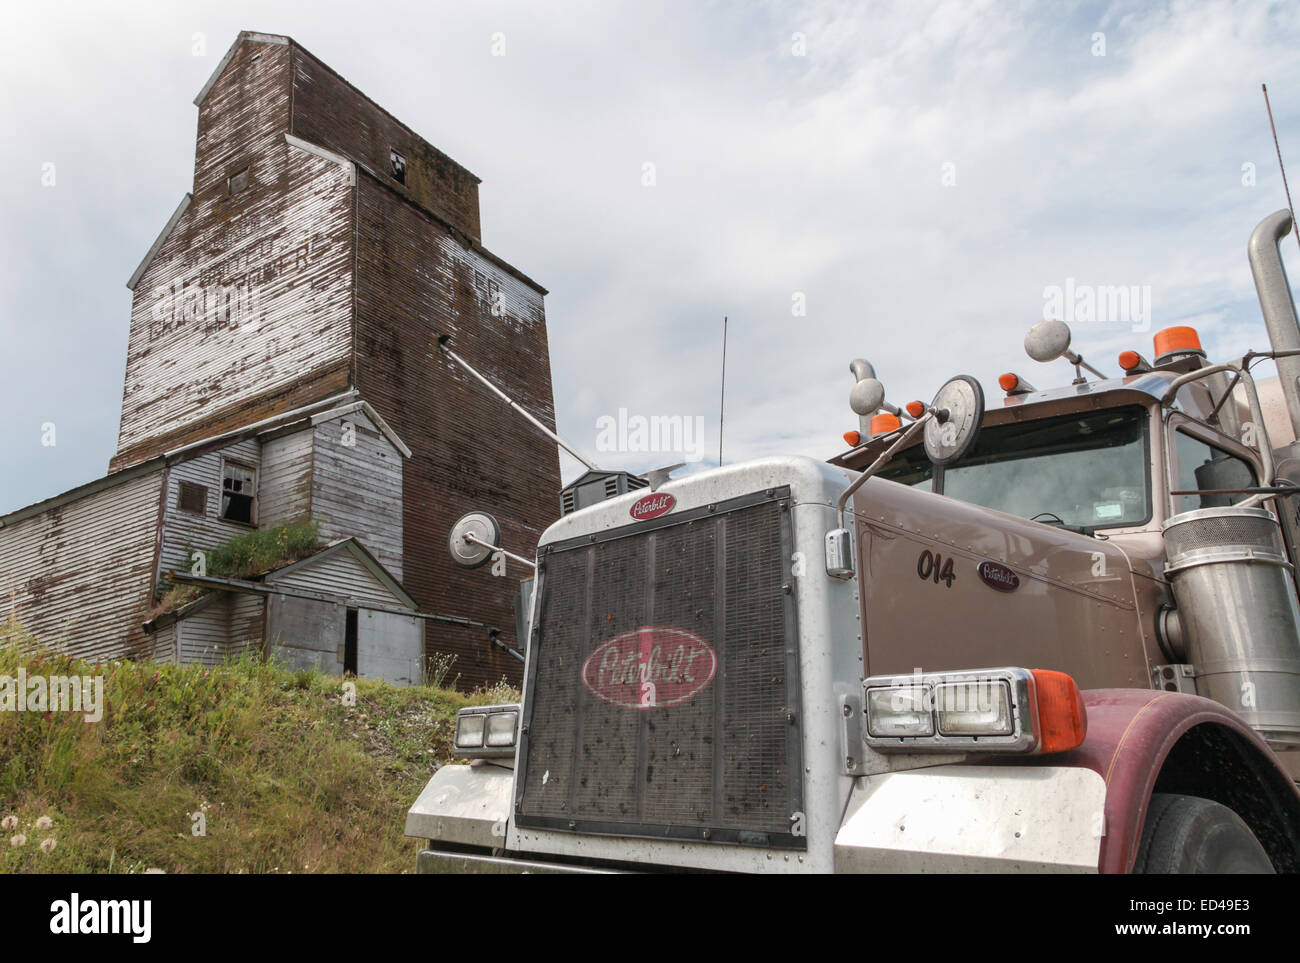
x=322 y=248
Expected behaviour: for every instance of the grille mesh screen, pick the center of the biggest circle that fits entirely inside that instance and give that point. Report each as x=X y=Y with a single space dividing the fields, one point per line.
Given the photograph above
x=722 y=763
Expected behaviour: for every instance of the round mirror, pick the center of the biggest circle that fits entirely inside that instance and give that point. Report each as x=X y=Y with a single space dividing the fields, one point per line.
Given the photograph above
x=1047 y=340
x=471 y=553
x=867 y=396
x=960 y=403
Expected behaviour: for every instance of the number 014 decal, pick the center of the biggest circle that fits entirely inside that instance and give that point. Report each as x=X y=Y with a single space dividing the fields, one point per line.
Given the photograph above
x=932 y=565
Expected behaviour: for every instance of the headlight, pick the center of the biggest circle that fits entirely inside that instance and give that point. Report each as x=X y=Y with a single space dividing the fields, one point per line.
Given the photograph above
x=469 y=730
x=486 y=731
x=899 y=711
x=977 y=710
x=501 y=728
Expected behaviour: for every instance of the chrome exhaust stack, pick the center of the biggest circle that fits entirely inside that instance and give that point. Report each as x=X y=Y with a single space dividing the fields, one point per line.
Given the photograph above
x=1275 y=301
x=1239 y=614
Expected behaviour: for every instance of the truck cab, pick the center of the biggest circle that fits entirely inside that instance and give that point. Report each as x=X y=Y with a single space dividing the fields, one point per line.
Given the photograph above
x=999 y=645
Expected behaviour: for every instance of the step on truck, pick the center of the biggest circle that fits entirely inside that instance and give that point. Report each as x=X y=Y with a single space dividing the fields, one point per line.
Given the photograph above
x=1058 y=633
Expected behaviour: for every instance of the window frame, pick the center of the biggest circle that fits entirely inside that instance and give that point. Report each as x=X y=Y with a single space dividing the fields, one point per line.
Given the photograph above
x=1176 y=421
x=253 y=508
x=180 y=497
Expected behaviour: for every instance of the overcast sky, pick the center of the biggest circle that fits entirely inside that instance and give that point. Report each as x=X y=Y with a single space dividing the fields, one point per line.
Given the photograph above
x=915 y=174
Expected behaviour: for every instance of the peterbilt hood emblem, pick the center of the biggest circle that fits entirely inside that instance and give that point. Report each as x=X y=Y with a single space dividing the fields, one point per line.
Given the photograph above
x=652 y=506
x=998 y=576
x=650 y=667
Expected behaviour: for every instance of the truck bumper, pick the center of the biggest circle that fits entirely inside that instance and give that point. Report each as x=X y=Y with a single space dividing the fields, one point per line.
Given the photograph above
x=433 y=861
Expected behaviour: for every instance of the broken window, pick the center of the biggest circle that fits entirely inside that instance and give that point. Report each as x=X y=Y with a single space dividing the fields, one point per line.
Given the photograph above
x=238 y=490
x=398 y=166
x=237 y=182
x=193 y=498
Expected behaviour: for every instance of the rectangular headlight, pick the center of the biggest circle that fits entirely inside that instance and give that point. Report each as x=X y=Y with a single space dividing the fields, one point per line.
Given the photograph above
x=469 y=730
x=976 y=710
x=485 y=732
x=899 y=711
x=501 y=728
x=975 y=707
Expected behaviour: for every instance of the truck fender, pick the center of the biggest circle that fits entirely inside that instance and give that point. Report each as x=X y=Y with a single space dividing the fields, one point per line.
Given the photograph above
x=1143 y=741
x=465 y=806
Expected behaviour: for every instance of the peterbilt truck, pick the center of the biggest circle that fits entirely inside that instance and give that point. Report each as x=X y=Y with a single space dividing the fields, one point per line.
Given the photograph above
x=1054 y=633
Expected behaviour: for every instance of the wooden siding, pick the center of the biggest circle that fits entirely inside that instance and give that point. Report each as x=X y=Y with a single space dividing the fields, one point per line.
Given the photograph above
x=205 y=635
x=222 y=629
x=247 y=622
x=356 y=491
x=339 y=575
x=80 y=575
x=330 y=112
x=285 y=488
x=469 y=450
x=245 y=310
x=183 y=530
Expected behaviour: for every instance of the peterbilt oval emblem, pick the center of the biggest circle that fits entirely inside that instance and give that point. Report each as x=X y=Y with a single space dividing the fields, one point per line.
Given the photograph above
x=998 y=576
x=650 y=667
x=652 y=506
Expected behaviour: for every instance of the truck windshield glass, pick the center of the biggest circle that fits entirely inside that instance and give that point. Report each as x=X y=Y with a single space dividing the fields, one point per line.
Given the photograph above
x=1083 y=470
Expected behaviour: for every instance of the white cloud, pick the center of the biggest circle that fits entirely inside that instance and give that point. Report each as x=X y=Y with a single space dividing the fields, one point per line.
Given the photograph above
x=776 y=174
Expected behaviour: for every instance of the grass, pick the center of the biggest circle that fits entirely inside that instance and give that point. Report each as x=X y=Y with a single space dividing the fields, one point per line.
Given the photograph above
x=279 y=773
x=245 y=556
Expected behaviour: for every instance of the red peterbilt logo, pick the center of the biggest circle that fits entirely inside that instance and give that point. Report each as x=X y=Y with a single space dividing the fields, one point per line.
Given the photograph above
x=652 y=506
x=650 y=667
x=998 y=576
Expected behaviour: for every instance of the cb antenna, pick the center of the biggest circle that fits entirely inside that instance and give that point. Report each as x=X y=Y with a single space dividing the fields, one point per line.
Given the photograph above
x=442 y=346
x=1277 y=147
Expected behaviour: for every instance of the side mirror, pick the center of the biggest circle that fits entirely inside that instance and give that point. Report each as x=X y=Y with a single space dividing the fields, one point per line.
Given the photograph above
x=474 y=539
x=1048 y=340
x=958 y=409
x=866 y=397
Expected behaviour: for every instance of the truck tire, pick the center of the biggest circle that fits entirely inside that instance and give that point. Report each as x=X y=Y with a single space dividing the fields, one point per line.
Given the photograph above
x=1187 y=834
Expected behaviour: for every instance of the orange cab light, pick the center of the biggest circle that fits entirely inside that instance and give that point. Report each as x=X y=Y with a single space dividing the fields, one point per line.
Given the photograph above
x=853 y=438
x=1062 y=719
x=1177 y=338
x=1128 y=360
x=883 y=423
x=1009 y=381
x=915 y=408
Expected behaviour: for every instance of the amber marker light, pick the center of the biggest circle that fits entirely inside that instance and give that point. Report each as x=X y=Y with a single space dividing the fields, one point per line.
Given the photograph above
x=884 y=423
x=1177 y=339
x=915 y=408
x=1009 y=381
x=1062 y=719
x=853 y=438
x=1128 y=360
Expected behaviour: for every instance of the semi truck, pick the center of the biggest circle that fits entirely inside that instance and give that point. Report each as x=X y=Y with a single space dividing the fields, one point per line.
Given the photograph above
x=1054 y=633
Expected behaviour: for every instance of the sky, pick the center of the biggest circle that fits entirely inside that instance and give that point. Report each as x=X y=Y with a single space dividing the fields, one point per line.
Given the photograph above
x=915 y=183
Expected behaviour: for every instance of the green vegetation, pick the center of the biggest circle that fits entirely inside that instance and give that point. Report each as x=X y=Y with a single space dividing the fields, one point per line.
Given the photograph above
x=253 y=553
x=287 y=777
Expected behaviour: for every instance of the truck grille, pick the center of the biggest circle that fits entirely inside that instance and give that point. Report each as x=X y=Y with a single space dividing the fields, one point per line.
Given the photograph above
x=662 y=695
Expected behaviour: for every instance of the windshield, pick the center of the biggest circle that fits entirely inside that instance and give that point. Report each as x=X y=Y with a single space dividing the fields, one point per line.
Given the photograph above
x=1082 y=470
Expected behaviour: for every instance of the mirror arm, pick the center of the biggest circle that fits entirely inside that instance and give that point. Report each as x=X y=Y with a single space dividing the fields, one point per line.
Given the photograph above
x=471 y=537
x=908 y=434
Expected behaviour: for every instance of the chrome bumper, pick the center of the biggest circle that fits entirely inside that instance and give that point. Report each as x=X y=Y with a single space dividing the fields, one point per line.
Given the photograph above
x=433 y=861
